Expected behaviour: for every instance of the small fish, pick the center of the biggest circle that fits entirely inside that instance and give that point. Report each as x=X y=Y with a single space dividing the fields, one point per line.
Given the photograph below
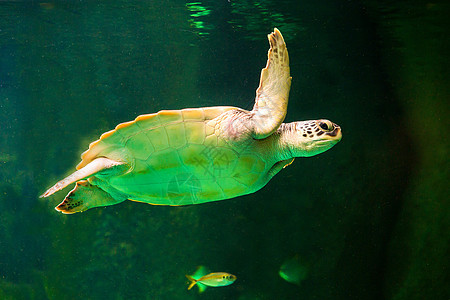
x=211 y=279
x=294 y=270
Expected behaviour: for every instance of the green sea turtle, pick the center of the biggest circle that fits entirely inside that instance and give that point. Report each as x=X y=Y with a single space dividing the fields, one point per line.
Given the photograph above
x=192 y=156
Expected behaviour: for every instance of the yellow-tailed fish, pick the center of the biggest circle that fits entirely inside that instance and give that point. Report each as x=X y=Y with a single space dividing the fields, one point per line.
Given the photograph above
x=212 y=279
x=199 y=273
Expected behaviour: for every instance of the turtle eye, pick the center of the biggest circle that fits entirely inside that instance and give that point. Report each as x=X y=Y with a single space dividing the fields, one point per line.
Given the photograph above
x=327 y=126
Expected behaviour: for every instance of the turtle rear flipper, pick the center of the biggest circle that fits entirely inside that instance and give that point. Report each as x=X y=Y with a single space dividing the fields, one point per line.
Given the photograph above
x=85 y=196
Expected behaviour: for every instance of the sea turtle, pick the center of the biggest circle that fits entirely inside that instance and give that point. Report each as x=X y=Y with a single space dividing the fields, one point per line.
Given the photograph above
x=198 y=155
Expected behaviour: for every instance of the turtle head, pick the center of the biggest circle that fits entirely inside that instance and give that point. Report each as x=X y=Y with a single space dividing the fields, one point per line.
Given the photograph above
x=308 y=138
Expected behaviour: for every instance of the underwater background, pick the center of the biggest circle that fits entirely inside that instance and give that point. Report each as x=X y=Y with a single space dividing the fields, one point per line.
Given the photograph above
x=368 y=219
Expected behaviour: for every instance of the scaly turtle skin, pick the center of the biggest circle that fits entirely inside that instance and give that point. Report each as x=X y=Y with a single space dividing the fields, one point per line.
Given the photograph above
x=192 y=156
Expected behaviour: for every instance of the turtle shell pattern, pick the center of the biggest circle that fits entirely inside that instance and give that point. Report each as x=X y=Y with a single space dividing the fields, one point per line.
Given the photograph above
x=179 y=157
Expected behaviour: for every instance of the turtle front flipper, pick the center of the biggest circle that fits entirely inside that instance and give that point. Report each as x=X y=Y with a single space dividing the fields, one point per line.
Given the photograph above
x=95 y=166
x=84 y=196
x=272 y=94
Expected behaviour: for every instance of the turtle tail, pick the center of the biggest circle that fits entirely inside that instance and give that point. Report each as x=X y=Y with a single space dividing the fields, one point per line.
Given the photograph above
x=90 y=169
x=192 y=281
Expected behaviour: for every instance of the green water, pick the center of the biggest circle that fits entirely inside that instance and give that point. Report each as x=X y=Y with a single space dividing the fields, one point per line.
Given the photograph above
x=368 y=219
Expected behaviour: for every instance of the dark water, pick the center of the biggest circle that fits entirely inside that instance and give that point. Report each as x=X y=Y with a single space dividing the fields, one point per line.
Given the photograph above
x=367 y=219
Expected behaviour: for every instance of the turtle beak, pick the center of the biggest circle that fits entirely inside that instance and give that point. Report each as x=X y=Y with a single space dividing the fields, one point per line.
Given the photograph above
x=336 y=134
